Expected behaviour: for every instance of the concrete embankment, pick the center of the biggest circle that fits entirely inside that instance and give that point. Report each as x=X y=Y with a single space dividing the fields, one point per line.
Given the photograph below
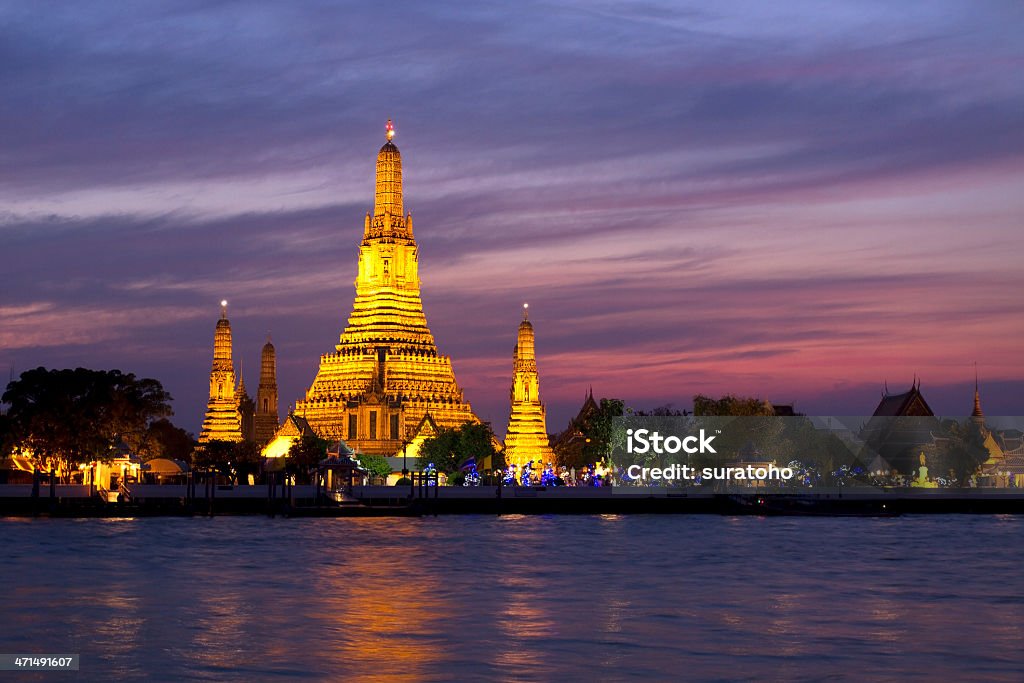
x=307 y=501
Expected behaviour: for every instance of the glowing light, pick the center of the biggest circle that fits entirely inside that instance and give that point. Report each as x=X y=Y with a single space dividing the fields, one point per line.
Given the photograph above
x=223 y=302
x=389 y=130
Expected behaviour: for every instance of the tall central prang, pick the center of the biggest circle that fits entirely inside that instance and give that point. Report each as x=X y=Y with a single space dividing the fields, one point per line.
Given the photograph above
x=385 y=375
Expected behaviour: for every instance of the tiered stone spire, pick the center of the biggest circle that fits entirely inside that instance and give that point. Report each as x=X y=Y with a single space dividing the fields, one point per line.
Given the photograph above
x=527 y=437
x=222 y=422
x=267 y=419
x=385 y=374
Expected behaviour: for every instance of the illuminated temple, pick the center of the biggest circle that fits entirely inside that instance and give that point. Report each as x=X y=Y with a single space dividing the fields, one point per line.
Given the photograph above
x=527 y=437
x=223 y=420
x=385 y=375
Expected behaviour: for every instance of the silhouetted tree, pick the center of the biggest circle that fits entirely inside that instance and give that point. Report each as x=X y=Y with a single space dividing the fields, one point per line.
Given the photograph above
x=597 y=436
x=214 y=456
x=305 y=455
x=666 y=410
x=7 y=440
x=164 y=440
x=246 y=457
x=959 y=451
x=65 y=417
x=730 y=406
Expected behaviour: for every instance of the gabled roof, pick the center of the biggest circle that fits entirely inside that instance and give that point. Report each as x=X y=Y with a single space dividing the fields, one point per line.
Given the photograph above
x=909 y=403
x=589 y=406
x=426 y=427
x=295 y=425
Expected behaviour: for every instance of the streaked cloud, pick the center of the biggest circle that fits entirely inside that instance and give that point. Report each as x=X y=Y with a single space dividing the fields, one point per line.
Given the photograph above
x=789 y=199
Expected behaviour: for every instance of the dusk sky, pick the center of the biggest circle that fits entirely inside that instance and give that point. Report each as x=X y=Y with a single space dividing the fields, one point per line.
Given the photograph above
x=793 y=200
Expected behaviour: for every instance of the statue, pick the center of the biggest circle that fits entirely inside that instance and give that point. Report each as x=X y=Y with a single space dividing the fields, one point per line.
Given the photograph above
x=922 y=480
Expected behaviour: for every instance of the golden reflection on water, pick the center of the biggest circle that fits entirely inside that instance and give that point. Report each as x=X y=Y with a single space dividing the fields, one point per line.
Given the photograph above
x=114 y=617
x=524 y=620
x=785 y=622
x=221 y=620
x=382 y=612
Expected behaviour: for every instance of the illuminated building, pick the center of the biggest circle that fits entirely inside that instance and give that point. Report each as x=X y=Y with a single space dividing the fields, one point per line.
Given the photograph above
x=900 y=427
x=223 y=421
x=1004 y=466
x=527 y=437
x=385 y=373
x=266 y=420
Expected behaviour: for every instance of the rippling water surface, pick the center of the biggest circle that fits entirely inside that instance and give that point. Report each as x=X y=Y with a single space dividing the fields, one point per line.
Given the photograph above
x=519 y=598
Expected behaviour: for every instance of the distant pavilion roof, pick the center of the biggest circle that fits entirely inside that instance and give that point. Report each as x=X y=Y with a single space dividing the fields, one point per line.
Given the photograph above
x=909 y=403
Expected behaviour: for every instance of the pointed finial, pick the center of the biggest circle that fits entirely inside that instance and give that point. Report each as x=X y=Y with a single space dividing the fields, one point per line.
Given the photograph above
x=268 y=336
x=976 y=413
x=526 y=311
x=224 y=308
x=389 y=130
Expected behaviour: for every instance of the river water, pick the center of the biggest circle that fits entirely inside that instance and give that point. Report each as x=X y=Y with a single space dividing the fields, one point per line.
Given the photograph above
x=518 y=598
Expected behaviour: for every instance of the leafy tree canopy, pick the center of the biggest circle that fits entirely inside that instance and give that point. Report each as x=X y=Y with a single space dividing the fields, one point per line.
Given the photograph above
x=70 y=416
x=453 y=446
x=730 y=405
x=960 y=450
x=376 y=465
x=164 y=440
x=597 y=436
x=306 y=454
x=214 y=456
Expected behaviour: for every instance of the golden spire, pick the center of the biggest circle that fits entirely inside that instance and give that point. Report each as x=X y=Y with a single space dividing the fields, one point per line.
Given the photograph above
x=526 y=438
x=222 y=422
x=388 y=195
x=525 y=357
x=222 y=343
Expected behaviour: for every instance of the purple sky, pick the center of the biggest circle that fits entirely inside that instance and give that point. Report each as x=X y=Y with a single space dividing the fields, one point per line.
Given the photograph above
x=779 y=199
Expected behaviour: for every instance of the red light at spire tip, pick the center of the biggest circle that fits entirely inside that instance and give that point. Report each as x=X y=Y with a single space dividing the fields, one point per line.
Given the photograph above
x=389 y=130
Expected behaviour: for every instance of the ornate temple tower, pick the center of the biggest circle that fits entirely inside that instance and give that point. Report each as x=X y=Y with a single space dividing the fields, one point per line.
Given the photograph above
x=977 y=417
x=527 y=437
x=266 y=396
x=385 y=374
x=222 y=422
